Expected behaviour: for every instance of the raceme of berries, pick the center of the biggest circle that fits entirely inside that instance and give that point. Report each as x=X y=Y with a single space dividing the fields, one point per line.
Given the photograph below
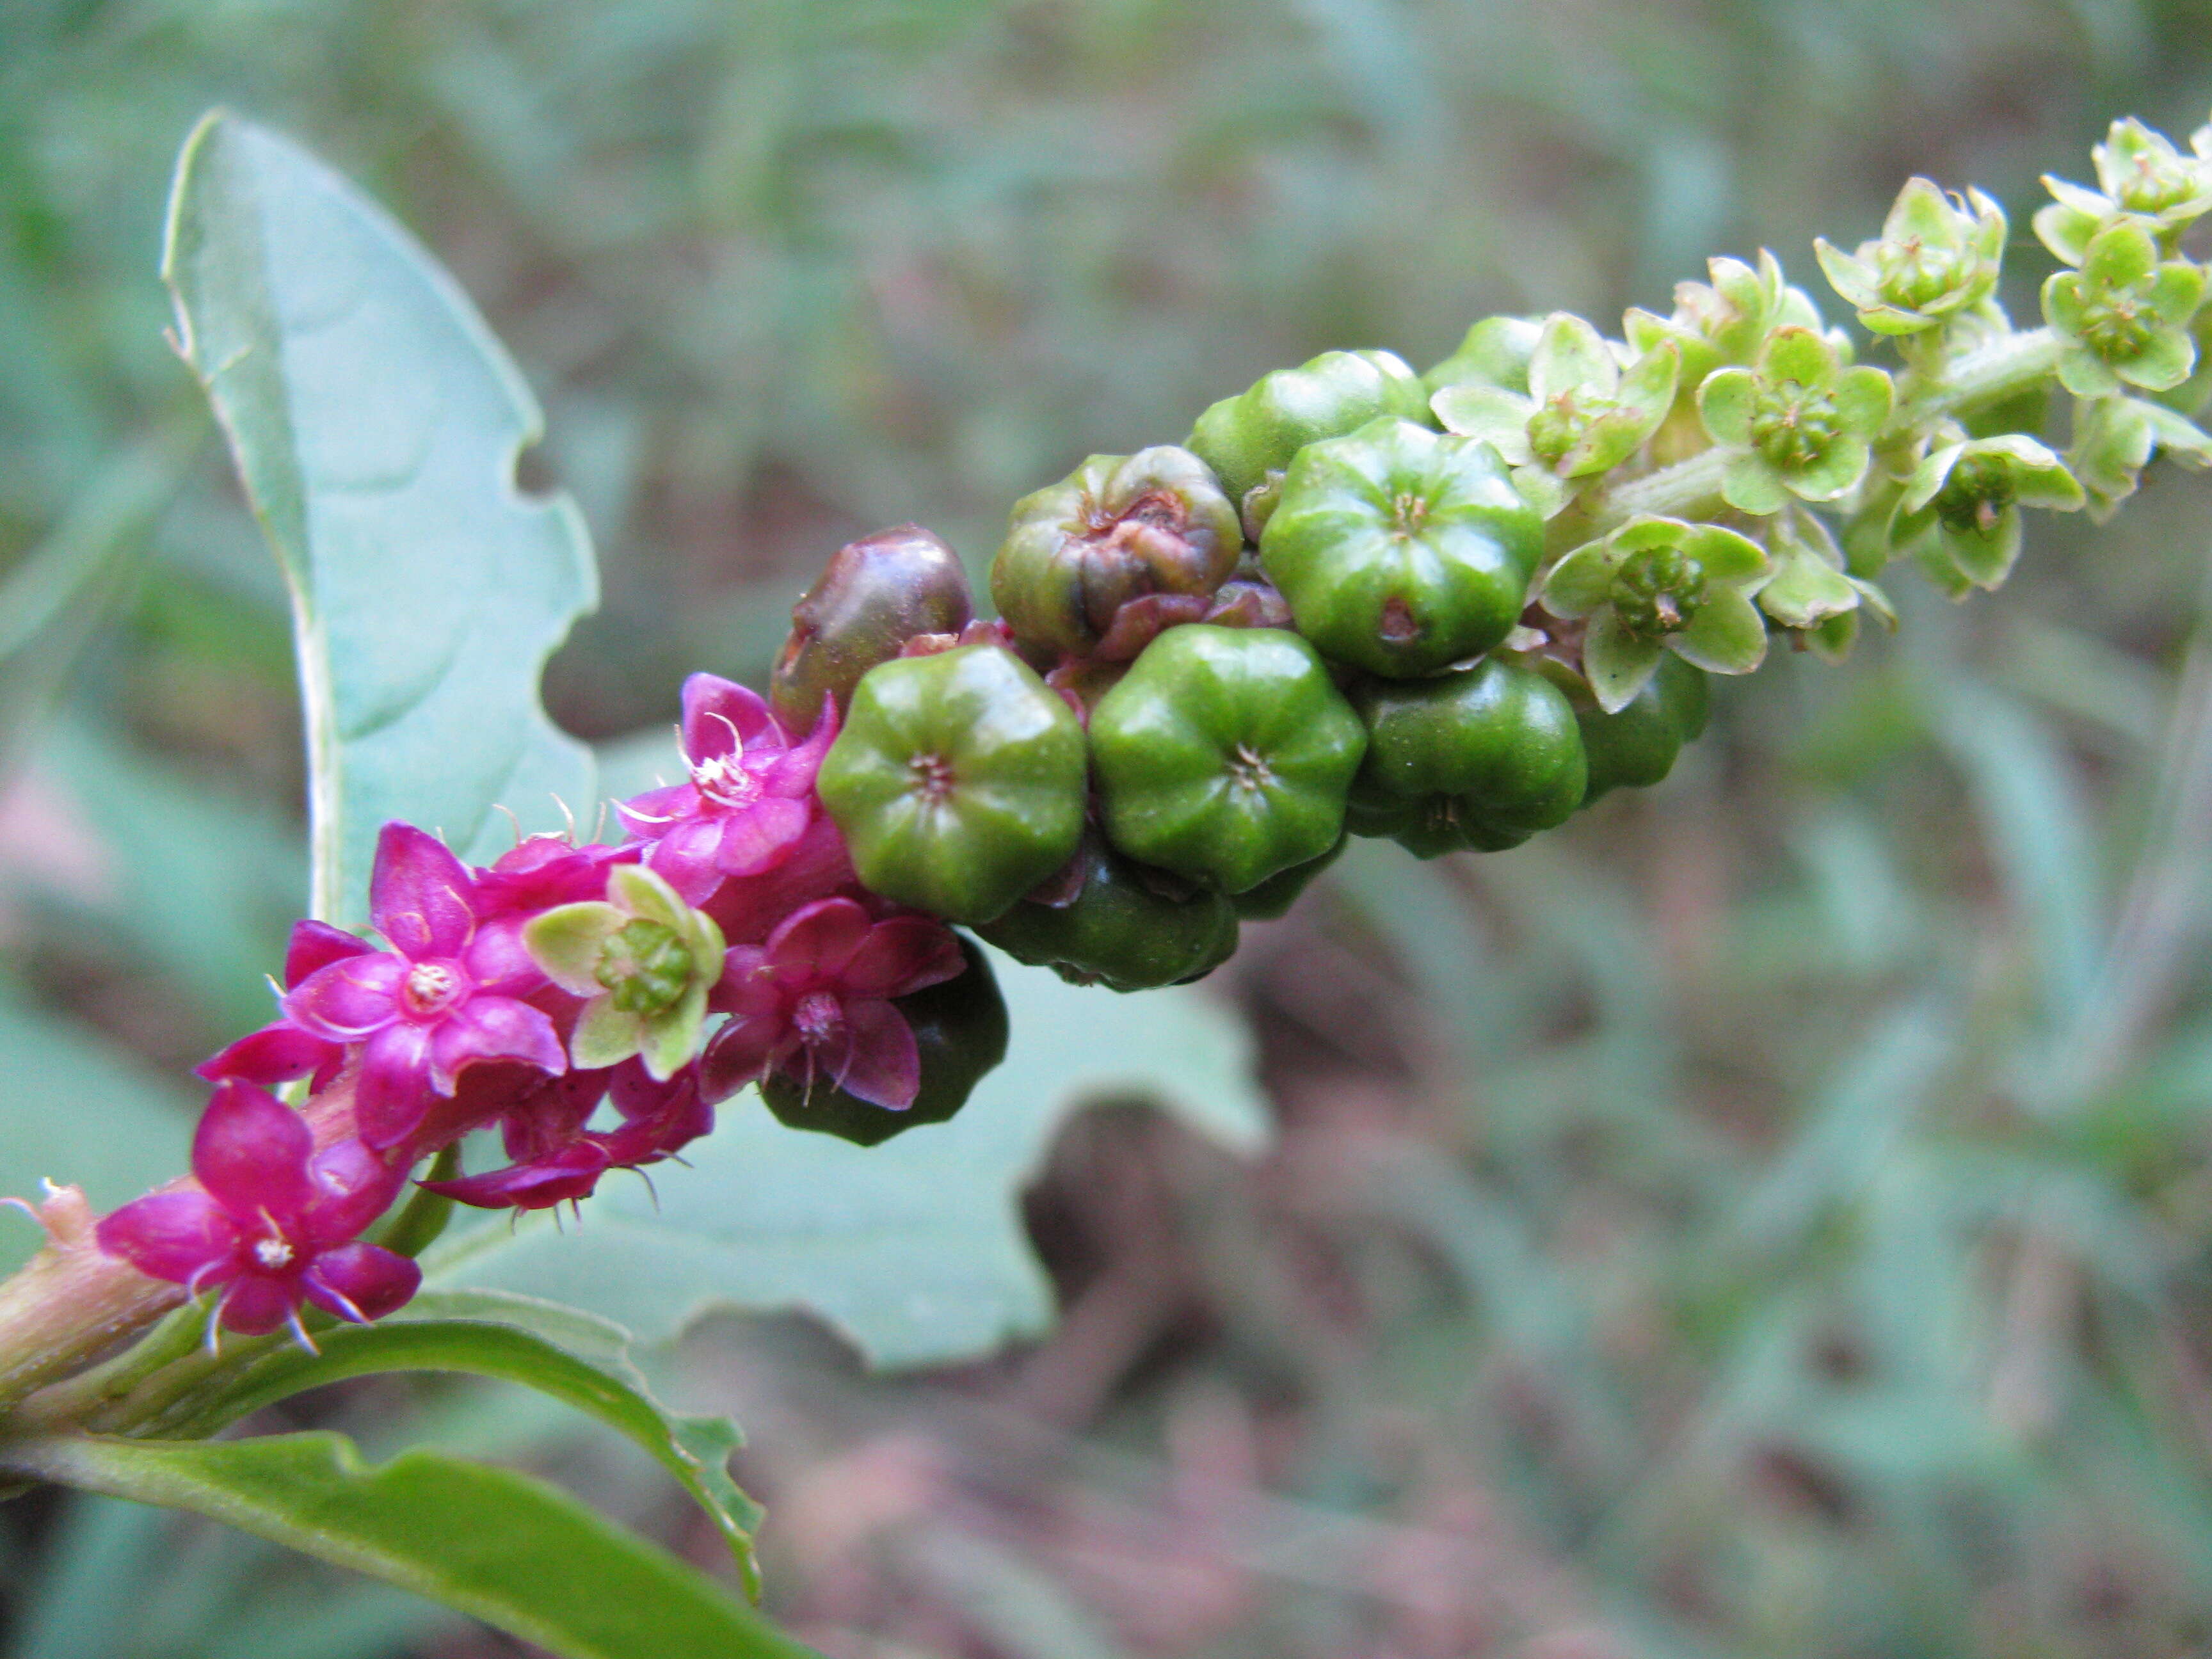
x=1318 y=617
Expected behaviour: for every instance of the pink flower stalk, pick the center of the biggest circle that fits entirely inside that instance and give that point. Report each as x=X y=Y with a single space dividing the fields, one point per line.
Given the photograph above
x=275 y=1223
x=446 y=995
x=814 y=1002
x=280 y=1052
x=749 y=798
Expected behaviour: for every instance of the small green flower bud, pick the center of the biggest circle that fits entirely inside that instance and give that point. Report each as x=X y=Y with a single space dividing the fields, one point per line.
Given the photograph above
x=1658 y=585
x=1400 y=551
x=1126 y=927
x=1116 y=530
x=1938 y=256
x=2123 y=317
x=873 y=596
x=1257 y=432
x=1224 y=754
x=1658 y=591
x=1806 y=422
x=957 y=782
x=1959 y=511
x=960 y=1031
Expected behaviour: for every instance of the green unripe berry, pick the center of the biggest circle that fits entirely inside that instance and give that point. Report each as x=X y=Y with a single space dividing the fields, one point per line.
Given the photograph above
x=1224 y=755
x=1399 y=550
x=960 y=1032
x=1245 y=438
x=1274 y=896
x=1127 y=929
x=957 y=782
x=1481 y=759
x=873 y=596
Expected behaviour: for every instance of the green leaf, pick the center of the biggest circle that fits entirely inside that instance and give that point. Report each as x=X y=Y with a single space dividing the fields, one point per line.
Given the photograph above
x=576 y=1357
x=913 y=1249
x=501 y=1546
x=376 y=423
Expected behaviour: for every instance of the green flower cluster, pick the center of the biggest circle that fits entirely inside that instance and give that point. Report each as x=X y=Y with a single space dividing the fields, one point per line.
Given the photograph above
x=1453 y=608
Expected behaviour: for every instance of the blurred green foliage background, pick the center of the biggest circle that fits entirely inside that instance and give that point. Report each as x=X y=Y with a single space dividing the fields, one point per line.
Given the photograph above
x=1770 y=1217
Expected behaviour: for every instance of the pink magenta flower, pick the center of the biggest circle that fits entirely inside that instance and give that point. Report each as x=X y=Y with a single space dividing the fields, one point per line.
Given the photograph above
x=749 y=800
x=558 y=1161
x=275 y=1224
x=446 y=995
x=540 y=872
x=814 y=1002
x=278 y=1053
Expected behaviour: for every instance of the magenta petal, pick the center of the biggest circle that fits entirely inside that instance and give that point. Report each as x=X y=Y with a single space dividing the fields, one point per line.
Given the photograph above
x=257 y=1304
x=792 y=773
x=684 y=858
x=817 y=940
x=885 y=1066
x=353 y=1186
x=650 y=814
x=418 y=894
x=360 y=1282
x=740 y=1053
x=497 y=960
x=721 y=717
x=748 y=910
x=760 y=836
x=493 y=1028
x=172 y=1236
x=569 y=1174
x=316 y=944
x=250 y=1151
x=394 y=1090
x=274 y=1053
x=904 y=955
x=344 y=1001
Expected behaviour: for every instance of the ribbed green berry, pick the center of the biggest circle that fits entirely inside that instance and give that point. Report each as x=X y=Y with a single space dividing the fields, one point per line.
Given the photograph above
x=960 y=1031
x=957 y=782
x=1245 y=438
x=1127 y=929
x=1224 y=755
x=1400 y=550
x=1488 y=756
x=1116 y=530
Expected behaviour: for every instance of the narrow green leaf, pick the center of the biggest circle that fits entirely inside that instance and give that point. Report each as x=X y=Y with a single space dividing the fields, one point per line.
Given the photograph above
x=376 y=423
x=501 y=1546
x=580 y=1359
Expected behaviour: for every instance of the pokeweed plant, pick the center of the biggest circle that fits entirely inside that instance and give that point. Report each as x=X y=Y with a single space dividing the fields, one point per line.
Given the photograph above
x=1448 y=609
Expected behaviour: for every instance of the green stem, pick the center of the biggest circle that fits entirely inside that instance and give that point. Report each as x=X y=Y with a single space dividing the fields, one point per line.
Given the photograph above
x=1687 y=490
x=1990 y=374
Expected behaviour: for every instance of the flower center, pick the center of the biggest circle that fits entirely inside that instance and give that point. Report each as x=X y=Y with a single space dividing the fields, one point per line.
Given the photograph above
x=1248 y=770
x=1913 y=273
x=272 y=1253
x=1658 y=591
x=819 y=1018
x=431 y=988
x=2113 y=326
x=647 y=966
x=1976 y=495
x=932 y=776
x=1409 y=511
x=724 y=782
x=1793 y=425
